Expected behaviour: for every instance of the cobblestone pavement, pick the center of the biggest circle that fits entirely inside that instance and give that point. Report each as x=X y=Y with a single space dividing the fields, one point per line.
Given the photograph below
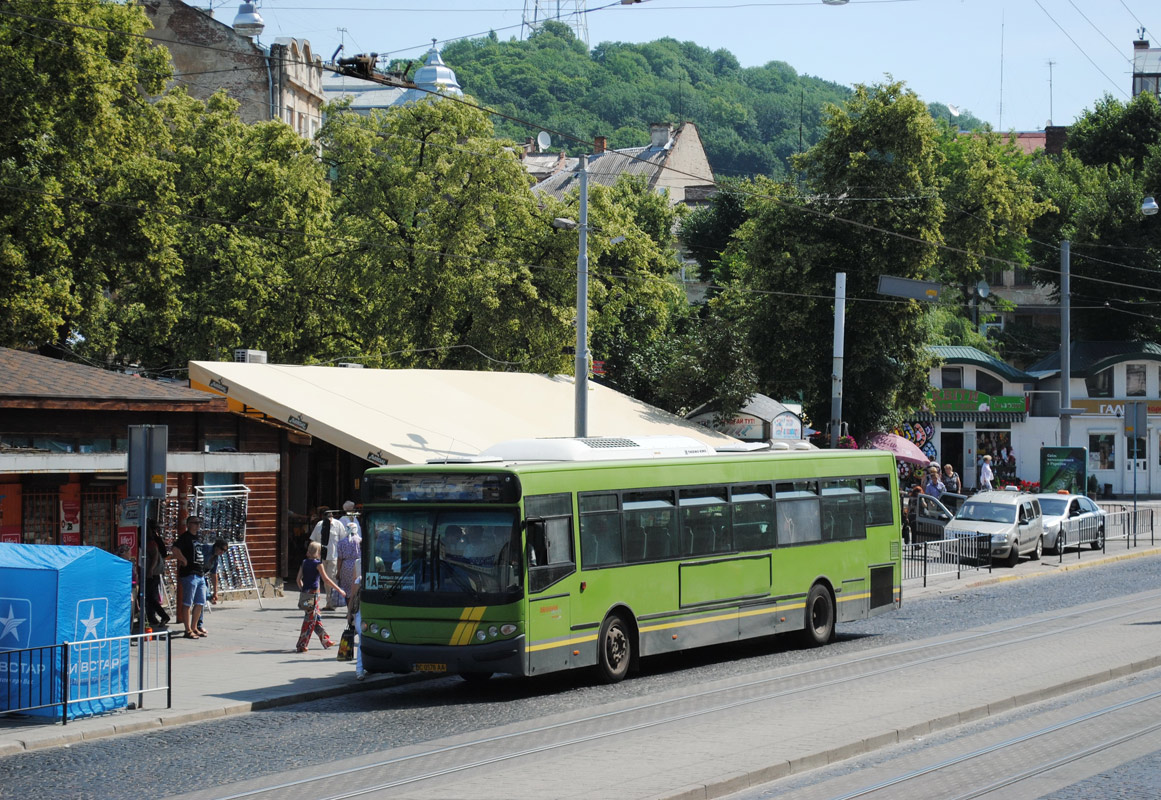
x=166 y=761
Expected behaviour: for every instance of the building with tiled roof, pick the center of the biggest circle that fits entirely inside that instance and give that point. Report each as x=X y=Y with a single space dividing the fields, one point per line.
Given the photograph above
x=64 y=436
x=674 y=161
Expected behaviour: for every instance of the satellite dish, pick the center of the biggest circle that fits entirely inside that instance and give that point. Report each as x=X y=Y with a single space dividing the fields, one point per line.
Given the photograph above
x=983 y=289
x=543 y=140
x=952 y=110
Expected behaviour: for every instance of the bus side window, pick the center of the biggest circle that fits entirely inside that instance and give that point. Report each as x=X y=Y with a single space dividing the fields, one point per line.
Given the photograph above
x=753 y=517
x=549 y=539
x=600 y=530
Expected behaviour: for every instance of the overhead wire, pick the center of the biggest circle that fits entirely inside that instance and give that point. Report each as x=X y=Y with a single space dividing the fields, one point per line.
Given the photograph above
x=1081 y=49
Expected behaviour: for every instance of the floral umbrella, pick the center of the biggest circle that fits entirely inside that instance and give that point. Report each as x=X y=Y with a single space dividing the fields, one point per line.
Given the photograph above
x=903 y=449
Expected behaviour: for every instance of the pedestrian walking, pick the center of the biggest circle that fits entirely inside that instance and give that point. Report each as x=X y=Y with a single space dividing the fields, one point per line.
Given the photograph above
x=951 y=480
x=350 y=560
x=986 y=475
x=211 y=575
x=351 y=517
x=312 y=576
x=355 y=618
x=156 y=551
x=933 y=485
x=328 y=531
x=191 y=574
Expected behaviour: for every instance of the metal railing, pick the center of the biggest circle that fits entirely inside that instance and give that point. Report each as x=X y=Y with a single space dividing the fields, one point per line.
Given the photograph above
x=88 y=677
x=955 y=556
x=1125 y=528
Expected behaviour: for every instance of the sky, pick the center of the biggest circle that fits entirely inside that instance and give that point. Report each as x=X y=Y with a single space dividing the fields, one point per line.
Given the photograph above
x=989 y=57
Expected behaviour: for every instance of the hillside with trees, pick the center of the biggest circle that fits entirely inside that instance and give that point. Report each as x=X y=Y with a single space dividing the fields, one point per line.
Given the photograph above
x=752 y=120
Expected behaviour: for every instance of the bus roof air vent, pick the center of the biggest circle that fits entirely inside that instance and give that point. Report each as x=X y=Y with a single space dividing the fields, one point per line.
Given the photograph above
x=607 y=441
x=598 y=448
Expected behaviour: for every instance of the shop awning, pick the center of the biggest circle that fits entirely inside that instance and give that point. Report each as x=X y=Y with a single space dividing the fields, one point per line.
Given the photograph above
x=972 y=416
x=410 y=416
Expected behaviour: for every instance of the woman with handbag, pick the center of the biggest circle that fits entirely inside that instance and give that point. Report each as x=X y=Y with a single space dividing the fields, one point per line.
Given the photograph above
x=311 y=576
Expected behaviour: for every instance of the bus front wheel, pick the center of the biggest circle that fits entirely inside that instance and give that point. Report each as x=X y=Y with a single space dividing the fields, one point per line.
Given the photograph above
x=819 y=628
x=616 y=650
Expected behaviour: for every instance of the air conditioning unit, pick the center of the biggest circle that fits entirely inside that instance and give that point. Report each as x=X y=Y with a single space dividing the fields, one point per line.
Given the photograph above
x=250 y=356
x=350 y=365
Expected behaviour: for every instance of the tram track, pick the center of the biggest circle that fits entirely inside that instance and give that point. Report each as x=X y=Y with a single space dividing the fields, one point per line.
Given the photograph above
x=482 y=752
x=910 y=782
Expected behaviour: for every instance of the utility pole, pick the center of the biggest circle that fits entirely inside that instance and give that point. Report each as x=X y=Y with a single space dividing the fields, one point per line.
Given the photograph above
x=836 y=377
x=581 y=365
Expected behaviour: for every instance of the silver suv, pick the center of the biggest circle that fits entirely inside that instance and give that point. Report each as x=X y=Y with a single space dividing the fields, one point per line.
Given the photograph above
x=1013 y=520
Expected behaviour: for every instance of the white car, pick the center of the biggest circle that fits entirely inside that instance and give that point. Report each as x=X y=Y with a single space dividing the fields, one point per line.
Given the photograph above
x=1070 y=520
x=1012 y=520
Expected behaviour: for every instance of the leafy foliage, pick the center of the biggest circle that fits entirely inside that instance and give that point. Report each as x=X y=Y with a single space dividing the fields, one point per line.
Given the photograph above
x=1111 y=161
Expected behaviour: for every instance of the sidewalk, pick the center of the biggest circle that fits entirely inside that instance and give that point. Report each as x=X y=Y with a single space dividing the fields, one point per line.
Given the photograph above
x=248 y=662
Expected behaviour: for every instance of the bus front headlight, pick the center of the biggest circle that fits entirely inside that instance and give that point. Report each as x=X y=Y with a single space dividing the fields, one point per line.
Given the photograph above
x=508 y=629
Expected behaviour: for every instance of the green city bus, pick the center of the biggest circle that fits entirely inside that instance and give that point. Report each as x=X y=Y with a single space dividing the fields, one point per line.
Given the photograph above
x=550 y=554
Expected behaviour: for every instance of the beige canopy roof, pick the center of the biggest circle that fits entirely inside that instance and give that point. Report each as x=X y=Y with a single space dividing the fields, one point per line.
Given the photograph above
x=412 y=415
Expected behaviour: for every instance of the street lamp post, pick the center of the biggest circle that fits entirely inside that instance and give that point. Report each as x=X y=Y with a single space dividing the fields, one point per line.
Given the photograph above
x=581 y=365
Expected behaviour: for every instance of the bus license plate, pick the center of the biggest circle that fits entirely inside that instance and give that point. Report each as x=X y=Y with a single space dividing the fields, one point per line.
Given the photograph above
x=430 y=667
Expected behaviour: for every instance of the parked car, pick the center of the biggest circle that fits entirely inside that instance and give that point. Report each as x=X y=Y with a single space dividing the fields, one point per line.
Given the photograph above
x=1070 y=520
x=1013 y=520
x=925 y=518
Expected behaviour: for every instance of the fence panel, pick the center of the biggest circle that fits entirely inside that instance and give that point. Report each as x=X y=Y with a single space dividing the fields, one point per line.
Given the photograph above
x=89 y=677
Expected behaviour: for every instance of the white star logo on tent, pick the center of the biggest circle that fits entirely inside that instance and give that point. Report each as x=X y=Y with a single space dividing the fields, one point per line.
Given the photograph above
x=10 y=623
x=91 y=623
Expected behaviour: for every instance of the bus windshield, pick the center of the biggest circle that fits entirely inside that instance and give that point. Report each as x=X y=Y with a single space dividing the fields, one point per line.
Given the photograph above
x=465 y=555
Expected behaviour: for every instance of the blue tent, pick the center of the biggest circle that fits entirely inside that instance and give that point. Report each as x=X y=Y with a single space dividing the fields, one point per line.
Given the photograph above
x=50 y=595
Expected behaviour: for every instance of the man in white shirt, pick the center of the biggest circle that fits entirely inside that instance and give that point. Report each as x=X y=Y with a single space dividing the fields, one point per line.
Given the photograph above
x=334 y=531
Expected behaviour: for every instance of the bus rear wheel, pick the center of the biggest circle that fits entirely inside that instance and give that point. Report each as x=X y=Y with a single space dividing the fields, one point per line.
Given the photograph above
x=819 y=627
x=616 y=650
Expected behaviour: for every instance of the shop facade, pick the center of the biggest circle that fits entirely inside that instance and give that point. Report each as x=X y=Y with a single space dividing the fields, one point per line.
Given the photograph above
x=64 y=431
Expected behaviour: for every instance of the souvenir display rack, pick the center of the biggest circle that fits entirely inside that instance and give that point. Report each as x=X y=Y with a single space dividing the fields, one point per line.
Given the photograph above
x=223 y=511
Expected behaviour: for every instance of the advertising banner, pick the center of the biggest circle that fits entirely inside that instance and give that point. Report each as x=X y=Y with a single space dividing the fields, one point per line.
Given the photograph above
x=70 y=522
x=50 y=595
x=1064 y=468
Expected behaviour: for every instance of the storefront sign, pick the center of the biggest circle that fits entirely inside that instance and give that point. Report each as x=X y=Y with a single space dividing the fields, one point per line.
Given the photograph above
x=969 y=400
x=786 y=426
x=1064 y=468
x=1109 y=407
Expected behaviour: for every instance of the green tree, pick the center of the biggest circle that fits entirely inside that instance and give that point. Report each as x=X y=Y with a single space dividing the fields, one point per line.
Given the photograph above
x=990 y=204
x=882 y=144
x=1096 y=187
x=449 y=263
x=84 y=200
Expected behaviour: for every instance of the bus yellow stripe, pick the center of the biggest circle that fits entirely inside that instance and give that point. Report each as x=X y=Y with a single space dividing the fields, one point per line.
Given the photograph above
x=756 y=612
x=468 y=619
x=560 y=643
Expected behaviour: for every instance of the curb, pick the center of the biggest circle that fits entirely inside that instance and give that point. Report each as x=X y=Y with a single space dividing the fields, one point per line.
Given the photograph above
x=154 y=722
